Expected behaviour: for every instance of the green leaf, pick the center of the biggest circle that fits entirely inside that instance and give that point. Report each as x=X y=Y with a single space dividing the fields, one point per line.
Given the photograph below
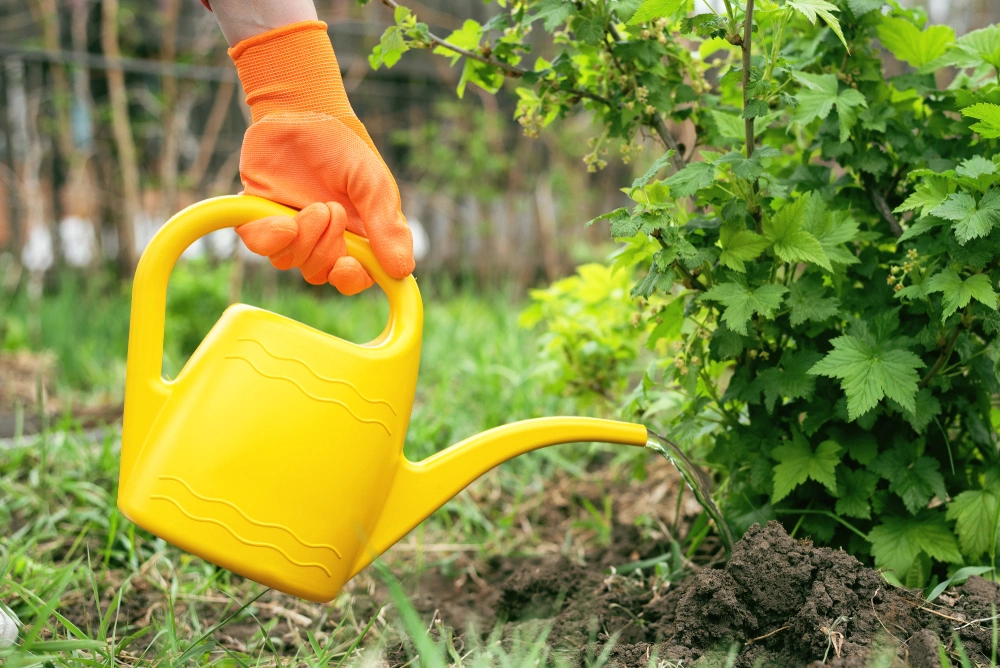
x=790 y=380
x=820 y=93
x=927 y=196
x=925 y=224
x=863 y=448
x=807 y=302
x=854 y=491
x=974 y=49
x=389 y=50
x=862 y=7
x=956 y=293
x=653 y=170
x=927 y=407
x=730 y=125
x=975 y=515
x=553 y=13
x=798 y=463
x=905 y=41
x=749 y=168
x=741 y=302
x=739 y=247
x=832 y=229
x=467 y=37
x=972 y=220
x=691 y=179
x=915 y=480
x=869 y=371
x=650 y=10
x=898 y=540
x=791 y=242
x=988 y=116
x=975 y=167
x=960 y=576
x=813 y=8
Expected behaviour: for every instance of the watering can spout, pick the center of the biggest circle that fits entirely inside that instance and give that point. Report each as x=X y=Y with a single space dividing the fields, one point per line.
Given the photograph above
x=420 y=488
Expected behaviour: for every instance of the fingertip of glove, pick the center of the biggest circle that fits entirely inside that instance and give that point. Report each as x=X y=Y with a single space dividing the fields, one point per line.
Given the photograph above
x=349 y=277
x=267 y=236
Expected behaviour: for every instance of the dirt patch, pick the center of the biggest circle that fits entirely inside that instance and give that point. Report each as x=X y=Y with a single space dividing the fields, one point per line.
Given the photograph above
x=779 y=601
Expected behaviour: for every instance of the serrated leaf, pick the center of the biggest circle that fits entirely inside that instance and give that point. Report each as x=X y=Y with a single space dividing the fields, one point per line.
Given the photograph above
x=956 y=293
x=854 y=491
x=974 y=49
x=915 y=480
x=863 y=448
x=798 y=463
x=832 y=229
x=739 y=247
x=925 y=224
x=791 y=242
x=730 y=125
x=789 y=380
x=868 y=371
x=389 y=50
x=467 y=37
x=813 y=8
x=927 y=196
x=975 y=515
x=818 y=96
x=926 y=408
x=975 y=167
x=650 y=10
x=691 y=179
x=862 y=7
x=905 y=41
x=553 y=13
x=971 y=219
x=988 y=116
x=898 y=540
x=741 y=302
x=807 y=301
x=653 y=170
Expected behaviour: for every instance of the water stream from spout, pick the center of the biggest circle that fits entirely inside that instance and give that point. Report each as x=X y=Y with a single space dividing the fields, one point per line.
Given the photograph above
x=696 y=479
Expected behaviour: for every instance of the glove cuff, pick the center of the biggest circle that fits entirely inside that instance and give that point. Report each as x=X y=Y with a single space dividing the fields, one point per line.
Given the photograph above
x=291 y=70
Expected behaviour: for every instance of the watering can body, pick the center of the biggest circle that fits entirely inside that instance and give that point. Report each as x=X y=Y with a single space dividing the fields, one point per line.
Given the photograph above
x=277 y=451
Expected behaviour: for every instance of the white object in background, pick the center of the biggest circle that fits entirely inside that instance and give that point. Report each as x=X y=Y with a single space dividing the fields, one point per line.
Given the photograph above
x=8 y=627
x=37 y=252
x=78 y=240
x=421 y=242
x=223 y=242
x=195 y=250
x=144 y=226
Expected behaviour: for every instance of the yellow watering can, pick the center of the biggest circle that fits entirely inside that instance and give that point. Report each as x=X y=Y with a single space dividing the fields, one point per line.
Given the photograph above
x=277 y=452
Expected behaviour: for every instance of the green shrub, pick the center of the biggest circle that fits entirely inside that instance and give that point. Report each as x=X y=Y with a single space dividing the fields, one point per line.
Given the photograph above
x=831 y=243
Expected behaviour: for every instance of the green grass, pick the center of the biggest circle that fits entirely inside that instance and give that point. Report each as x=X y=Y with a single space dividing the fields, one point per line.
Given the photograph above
x=93 y=590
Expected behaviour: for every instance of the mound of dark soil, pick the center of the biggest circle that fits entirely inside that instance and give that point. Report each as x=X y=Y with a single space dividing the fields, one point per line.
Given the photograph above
x=779 y=601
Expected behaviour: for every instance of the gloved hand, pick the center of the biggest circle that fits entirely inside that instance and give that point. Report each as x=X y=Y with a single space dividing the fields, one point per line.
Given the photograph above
x=306 y=149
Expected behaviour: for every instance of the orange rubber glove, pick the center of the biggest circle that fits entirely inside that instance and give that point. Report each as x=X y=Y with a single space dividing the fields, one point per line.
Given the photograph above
x=306 y=149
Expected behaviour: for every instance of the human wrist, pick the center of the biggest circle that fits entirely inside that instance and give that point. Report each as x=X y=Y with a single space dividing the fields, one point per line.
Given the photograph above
x=243 y=19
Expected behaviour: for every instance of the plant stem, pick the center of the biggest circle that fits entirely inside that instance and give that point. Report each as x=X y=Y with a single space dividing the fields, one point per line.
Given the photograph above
x=745 y=46
x=942 y=358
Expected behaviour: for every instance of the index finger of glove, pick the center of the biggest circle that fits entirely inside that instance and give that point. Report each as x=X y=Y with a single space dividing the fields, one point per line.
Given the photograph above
x=374 y=195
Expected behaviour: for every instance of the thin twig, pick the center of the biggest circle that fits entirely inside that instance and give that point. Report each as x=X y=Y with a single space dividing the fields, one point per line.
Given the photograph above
x=945 y=355
x=748 y=122
x=515 y=72
x=977 y=621
x=878 y=199
x=766 y=635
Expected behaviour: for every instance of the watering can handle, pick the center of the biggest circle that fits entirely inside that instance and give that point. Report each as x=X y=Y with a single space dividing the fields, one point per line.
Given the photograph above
x=149 y=291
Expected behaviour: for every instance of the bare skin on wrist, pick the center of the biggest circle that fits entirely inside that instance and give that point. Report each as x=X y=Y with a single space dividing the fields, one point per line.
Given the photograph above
x=241 y=19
